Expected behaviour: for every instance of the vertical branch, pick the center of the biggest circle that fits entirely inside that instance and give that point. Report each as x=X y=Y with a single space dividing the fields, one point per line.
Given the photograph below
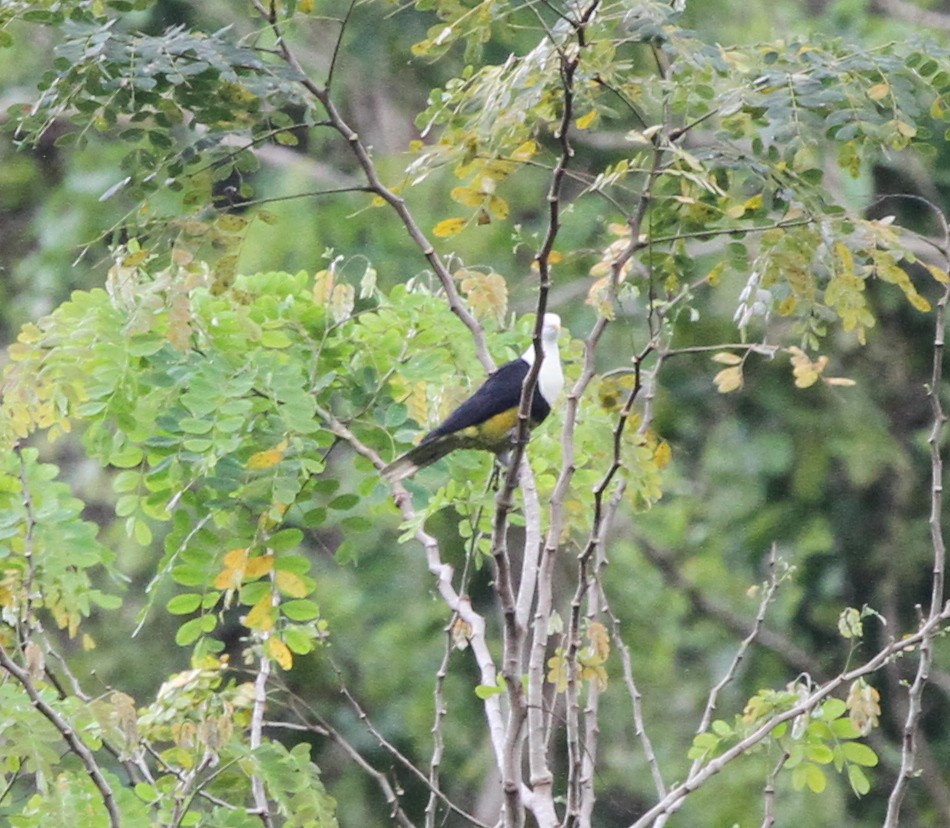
x=514 y=632
x=257 y=728
x=586 y=578
x=438 y=744
x=915 y=694
x=768 y=795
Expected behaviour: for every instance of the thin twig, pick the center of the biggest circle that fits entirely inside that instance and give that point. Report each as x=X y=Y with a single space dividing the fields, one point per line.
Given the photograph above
x=767 y=597
x=314 y=723
x=443 y=573
x=438 y=742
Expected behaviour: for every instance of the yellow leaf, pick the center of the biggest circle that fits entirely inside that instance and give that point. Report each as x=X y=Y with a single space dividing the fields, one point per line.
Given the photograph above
x=754 y=203
x=728 y=379
x=305 y=6
x=261 y=565
x=280 y=652
x=233 y=573
x=938 y=274
x=322 y=286
x=498 y=207
x=498 y=169
x=905 y=129
x=727 y=358
x=787 y=306
x=135 y=259
x=555 y=257
x=265 y=459
x=599 y=638
x=263 y=615
x=847 y=258
x=230 y=223
x=879 y=91
x=586 y=121
x=526 y=151
x=714 y=275
x=557 y=671
x=291 y=584
x=662 y=455
x=805 y=371
x=342 y=302
x=466 y=195
x=235 y=558
x=487 y=293
x=449 y=227
x=598 y=297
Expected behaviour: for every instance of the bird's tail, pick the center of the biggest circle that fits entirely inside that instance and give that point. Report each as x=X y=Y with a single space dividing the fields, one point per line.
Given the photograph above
x=422 y=455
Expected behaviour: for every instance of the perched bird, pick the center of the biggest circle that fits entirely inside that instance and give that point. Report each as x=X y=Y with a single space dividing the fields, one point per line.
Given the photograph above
x=487 y=419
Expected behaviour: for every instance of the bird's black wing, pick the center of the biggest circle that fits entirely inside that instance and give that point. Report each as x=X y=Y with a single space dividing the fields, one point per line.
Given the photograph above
x=500 y=392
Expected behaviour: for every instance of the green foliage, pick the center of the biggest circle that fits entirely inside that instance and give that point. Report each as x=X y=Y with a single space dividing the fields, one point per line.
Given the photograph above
x=240 y=419
x=809 y=742
x=48 y=553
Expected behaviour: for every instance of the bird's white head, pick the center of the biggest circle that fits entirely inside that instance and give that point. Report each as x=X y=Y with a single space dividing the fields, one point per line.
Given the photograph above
x=551 y=328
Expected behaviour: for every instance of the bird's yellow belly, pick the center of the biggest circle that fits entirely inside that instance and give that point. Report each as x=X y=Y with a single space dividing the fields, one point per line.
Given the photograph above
x=495 y=430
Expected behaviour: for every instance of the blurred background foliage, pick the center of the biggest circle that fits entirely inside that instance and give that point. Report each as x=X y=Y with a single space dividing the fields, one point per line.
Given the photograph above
x=837 y=478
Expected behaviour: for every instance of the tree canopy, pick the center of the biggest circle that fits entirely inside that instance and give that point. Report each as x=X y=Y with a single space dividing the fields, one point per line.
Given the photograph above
x=255 y=250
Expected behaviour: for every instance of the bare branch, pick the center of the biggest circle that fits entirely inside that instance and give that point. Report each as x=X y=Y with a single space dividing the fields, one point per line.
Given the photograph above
x=314 y=723
x=767 y=597
x=443 y=572
x=782 y=646
x=768 y=810
x=257 y=725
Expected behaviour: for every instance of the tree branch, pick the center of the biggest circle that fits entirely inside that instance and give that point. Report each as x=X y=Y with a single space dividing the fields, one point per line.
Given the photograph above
x=674 y=798
x=915 y=694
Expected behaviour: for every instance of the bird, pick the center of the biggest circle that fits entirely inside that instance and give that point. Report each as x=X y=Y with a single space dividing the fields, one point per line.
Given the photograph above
x=488 y=418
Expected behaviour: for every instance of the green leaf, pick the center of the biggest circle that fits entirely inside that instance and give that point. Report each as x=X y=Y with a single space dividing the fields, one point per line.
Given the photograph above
x=191 y=631
x=344 y=502
x=300 y=609
x=126 y=505
x=184 y=604
x=833 y=709
x=819 y=753
x=285 y=540
x=859 y=753
x=860 y=783
x=298 y=640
